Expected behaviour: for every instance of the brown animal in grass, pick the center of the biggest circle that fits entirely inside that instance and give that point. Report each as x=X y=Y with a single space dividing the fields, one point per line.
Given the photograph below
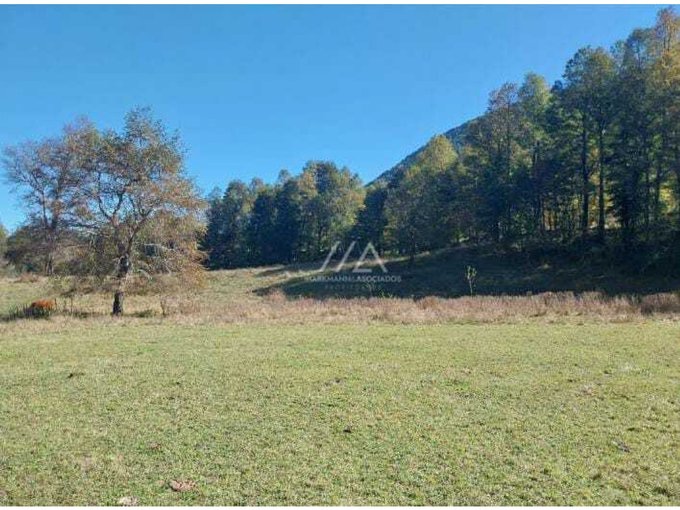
x=44 y=305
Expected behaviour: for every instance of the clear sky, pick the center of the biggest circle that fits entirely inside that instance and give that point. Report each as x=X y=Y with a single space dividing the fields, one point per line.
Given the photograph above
x=254 y=89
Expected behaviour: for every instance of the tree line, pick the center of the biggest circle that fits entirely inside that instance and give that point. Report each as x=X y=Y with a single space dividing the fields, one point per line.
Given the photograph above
x=297 y=218
x=593 y=158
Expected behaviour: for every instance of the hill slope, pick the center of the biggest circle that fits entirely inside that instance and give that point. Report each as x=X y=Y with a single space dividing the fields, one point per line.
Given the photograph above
x=455 y=135
x=514 y=273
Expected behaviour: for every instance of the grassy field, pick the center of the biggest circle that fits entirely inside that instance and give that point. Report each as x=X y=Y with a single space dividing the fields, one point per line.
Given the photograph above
x=245 y=395
x=351 y=414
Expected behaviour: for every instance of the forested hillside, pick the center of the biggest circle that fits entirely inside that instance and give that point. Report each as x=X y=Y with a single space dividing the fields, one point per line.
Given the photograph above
x=456 y=136
x=593 y=158
x=588 y=165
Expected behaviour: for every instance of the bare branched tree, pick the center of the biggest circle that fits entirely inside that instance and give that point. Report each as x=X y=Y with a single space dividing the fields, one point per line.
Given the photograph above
x=48 y=176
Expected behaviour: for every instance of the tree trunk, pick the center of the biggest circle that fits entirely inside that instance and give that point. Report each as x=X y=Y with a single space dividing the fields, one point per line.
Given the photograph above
x=657 y=195
x=412 y=249
x=676 y=168
x=49 y=264
x=648 y=188
x=119 y=294
x=118 y=301
x=600 y=198
x=648 y=201
x=677 y=179
x=586 y=181
x=50 y=250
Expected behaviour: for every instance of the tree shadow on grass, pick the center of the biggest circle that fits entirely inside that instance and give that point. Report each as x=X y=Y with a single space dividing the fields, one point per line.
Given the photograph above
x=443 y=274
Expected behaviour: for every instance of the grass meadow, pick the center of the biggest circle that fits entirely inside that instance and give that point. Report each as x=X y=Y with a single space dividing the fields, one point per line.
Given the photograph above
x=246 y=394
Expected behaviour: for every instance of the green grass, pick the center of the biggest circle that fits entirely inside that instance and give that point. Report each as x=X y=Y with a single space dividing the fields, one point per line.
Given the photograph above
x=378 y=414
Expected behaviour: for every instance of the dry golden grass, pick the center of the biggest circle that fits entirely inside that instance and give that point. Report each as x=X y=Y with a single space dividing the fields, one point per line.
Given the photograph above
x=277 y=308
x=234 y=297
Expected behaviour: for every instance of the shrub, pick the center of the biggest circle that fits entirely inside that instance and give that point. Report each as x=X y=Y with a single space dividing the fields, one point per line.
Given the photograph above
x=471 y=277
x=660 y=304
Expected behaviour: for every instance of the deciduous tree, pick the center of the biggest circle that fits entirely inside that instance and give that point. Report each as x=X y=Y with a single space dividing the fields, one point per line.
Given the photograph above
x=140 y=212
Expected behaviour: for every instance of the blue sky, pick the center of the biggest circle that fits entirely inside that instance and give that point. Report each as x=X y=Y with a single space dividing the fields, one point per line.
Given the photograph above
x=254 y=89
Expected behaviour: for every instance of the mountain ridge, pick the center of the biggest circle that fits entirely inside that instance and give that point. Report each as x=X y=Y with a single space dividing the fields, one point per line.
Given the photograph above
x=455 y=135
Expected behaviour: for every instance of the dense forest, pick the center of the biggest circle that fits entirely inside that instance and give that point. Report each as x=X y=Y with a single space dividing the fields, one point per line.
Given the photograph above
x=593 y=159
